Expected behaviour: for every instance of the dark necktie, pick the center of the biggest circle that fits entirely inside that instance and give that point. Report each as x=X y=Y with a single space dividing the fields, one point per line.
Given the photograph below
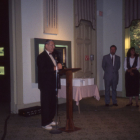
x=112 y=59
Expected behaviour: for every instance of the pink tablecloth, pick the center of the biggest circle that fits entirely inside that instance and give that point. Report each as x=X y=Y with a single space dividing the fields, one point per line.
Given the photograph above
x=80 y=92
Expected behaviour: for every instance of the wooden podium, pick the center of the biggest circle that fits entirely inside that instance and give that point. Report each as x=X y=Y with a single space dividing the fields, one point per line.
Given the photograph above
x=69 y=97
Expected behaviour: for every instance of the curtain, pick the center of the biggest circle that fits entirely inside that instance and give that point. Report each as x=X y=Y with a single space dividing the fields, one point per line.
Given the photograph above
x=85 y=10
x=127 y=40
x=132 y=11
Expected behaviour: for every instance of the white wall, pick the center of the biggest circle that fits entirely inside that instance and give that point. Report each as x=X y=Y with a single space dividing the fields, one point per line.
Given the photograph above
x=113 y=30
x=32 y=27
x=99 y=45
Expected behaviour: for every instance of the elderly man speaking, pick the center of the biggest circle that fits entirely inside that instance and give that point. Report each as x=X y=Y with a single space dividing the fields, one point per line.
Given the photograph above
x=47 y=84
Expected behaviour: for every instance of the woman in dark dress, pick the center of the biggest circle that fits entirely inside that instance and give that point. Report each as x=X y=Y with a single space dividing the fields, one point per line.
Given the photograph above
x=131 y=66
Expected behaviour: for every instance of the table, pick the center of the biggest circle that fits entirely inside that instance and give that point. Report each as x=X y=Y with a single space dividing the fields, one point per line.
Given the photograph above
x=80 y=92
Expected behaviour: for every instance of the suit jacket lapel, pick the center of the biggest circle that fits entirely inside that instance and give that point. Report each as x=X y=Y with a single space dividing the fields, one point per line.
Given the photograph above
x=48 y=57
x=109 y=58
x=115 y=60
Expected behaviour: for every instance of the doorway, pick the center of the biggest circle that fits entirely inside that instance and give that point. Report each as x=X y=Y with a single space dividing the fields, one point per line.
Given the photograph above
x=4 y=54
x=132 y=37
x=85 y=47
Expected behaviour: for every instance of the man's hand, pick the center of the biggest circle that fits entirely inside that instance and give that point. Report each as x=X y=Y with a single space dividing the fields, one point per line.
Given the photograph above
x=59 y=66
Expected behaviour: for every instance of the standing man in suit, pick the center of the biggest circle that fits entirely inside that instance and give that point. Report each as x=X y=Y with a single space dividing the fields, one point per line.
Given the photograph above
x=111 y=66
x=47 y=84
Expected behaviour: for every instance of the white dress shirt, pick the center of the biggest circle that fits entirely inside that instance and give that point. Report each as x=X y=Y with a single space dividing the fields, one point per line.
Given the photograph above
x=113 y=58
x=131 y=63
x=50 y=55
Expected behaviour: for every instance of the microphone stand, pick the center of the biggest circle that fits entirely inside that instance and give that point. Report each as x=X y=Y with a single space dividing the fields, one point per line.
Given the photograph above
x=56 y=130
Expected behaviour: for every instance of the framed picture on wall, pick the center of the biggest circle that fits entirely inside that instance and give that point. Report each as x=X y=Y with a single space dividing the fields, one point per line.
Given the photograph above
x=1 y=51
x=61 y=53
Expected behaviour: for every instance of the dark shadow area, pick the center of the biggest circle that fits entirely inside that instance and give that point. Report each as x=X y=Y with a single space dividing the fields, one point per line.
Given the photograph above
x=4 y=67
x=4 y=52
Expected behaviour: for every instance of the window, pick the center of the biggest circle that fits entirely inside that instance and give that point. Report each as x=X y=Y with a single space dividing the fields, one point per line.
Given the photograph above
x=132 y=37
x=50 y=17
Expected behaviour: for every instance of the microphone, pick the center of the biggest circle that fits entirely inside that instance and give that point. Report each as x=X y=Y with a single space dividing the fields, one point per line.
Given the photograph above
x=56 y=130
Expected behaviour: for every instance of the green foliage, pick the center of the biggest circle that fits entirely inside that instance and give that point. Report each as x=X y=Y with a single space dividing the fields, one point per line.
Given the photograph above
x=135 y=34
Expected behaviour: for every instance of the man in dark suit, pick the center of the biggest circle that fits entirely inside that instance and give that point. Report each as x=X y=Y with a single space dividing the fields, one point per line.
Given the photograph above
x=47 y=84
x=111 y=66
